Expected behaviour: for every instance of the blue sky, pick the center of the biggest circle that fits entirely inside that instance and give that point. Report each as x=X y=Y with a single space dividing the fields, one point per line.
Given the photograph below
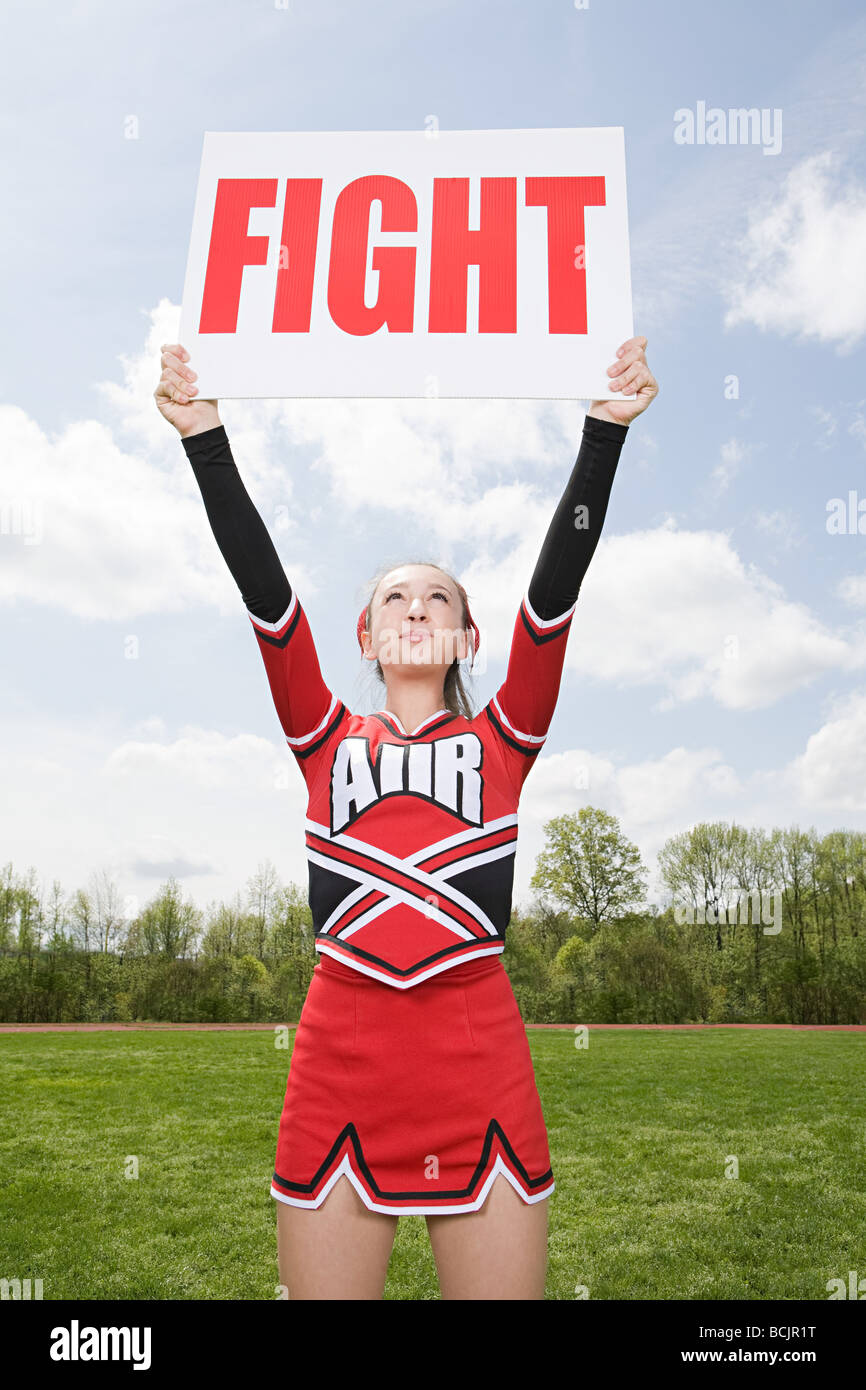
x=717 y=662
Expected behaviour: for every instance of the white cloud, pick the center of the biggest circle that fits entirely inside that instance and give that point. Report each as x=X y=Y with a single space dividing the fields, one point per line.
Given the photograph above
x=196 y=803
x=652 y=799
x=688 y=245
x=648 y=796
x=456 y=469
x=824 y=786
x=109 y=532
x=104 y=529
x=197 y=757
x=802 y=270
x=160 y=857
x=658 y=606
x=682 y=610
x=118 y=535
x=830 y=775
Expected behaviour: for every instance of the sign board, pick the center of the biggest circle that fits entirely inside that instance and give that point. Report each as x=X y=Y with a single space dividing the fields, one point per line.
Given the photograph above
x=454 y=263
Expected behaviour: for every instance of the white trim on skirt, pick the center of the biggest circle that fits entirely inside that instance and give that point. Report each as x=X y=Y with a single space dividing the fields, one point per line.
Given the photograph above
x=346 y=1168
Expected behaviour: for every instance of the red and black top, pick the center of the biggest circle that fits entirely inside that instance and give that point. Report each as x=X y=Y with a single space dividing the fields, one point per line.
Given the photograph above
x=411 y=835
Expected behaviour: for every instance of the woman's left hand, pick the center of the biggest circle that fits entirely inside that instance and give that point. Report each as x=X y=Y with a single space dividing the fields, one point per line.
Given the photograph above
x=629 y=373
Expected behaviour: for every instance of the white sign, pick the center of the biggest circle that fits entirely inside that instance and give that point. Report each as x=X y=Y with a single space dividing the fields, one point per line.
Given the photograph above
x=409 y=263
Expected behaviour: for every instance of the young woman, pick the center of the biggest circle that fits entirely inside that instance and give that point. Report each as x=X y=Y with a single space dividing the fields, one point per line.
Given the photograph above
x=411 y=1088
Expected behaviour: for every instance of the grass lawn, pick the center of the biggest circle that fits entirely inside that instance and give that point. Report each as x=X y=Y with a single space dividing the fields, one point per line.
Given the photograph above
x=641 y=1128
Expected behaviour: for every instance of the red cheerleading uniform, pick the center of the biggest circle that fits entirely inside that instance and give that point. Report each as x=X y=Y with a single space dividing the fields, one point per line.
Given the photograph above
x=411 y=1071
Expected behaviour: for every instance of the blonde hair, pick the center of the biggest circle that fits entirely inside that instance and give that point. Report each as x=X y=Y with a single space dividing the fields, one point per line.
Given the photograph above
x=455 y=696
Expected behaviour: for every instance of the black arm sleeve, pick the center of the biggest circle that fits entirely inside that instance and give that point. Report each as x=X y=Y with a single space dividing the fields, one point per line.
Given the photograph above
x=573 y=536
x=240 y=532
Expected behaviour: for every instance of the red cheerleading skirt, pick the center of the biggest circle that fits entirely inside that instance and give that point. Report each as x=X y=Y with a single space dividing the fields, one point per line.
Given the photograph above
x=421 y=1097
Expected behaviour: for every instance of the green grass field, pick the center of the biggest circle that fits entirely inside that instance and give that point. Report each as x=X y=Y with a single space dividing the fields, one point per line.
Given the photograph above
x=640 y=1123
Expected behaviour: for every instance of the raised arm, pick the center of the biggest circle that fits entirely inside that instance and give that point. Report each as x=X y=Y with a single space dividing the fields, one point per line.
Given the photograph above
x=523 y=706
x=306 y=708
x=238 y=529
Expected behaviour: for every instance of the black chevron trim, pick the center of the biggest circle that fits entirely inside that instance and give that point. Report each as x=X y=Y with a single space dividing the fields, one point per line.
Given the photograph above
x=274 y=641
x=411 y=738
x=314 y=747
x=527 y=752
x=350 y=1132
x=417 y=965
x=539 y=638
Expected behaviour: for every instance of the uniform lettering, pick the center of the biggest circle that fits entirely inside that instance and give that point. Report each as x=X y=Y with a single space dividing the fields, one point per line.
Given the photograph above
x=352 y=785
x=446 y=771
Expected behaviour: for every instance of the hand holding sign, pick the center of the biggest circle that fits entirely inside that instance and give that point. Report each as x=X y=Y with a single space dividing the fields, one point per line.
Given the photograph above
x=175 y=392
x=630 y=372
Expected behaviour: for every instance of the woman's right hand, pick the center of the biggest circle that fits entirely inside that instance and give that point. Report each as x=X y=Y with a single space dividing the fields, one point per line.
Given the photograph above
x=175 y=394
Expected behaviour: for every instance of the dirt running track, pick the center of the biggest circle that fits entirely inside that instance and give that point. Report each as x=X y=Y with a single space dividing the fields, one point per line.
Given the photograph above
x=269 y=1027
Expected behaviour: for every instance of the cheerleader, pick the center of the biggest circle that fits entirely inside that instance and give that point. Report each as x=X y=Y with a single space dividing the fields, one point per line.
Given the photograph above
x=410 y=1087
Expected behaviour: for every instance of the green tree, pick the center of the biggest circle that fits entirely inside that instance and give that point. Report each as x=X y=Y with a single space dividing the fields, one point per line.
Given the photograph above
x=590 y=866
x=8 y=906
x=700 y=869
x=166 y=926
x=291 y=946
x=262 y=891
x=82 y=920
x=225 y=932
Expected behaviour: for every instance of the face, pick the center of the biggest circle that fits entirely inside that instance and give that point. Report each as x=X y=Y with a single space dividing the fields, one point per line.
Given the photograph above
x=416 y=619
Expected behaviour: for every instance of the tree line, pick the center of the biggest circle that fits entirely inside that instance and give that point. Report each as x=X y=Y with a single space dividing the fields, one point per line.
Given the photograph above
x=756 y=927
